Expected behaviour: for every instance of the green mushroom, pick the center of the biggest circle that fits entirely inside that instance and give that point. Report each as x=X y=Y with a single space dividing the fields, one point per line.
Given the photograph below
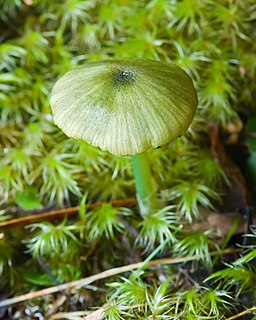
x=126 y=107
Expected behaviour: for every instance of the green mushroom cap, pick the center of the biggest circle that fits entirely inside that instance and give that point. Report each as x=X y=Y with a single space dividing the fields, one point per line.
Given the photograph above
x=124 y=106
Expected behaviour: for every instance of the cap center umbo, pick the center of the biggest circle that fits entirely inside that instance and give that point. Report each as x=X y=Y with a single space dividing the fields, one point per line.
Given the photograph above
x=123 y=77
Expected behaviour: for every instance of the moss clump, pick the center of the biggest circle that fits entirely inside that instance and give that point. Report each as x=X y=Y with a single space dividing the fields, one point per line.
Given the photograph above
x=214 y=42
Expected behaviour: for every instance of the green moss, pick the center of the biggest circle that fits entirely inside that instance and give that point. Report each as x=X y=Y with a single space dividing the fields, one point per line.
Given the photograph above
x=214 y=42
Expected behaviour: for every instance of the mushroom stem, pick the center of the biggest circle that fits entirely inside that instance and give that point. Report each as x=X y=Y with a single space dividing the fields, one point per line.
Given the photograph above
x=144 y=183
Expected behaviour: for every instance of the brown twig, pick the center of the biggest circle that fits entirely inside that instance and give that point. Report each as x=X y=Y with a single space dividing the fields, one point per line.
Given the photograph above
x=75 y=315
x=58 y=214
x=240 y=314
x=102 y=275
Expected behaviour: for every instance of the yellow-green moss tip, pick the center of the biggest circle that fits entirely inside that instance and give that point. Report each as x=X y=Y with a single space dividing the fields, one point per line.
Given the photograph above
x=124 y=106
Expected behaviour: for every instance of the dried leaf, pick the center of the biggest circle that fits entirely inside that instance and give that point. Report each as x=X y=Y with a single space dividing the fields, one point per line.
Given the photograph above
x=237 y=196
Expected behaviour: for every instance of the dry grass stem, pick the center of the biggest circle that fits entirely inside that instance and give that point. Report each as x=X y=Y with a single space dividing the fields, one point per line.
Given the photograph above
x=58 y=214
x=102 y=275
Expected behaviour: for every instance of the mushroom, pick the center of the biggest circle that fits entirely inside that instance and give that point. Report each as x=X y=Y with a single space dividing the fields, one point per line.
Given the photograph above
x=126 y=107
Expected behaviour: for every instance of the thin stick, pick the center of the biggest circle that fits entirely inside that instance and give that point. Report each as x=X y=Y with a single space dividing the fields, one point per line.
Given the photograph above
x=58 y=214
x=240 y=314
x=69 y=315
x=102 y=275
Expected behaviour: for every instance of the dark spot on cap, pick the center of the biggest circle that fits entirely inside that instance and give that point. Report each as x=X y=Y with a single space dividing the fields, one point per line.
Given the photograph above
x=123 y=77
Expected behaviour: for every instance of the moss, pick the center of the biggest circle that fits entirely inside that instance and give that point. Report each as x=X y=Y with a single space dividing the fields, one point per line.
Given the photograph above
x=214 y=42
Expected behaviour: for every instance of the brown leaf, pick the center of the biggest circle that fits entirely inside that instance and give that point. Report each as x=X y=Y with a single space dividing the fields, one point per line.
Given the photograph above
x=237 y=196
x=219 y=223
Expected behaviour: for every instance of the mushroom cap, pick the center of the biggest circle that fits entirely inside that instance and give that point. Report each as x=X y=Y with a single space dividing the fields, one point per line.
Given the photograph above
x=124 y=106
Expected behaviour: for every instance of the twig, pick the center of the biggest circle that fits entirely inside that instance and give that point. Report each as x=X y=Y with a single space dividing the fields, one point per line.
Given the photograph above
x=240 y=314
x=57 y=214
x=76 y=315
x=102 y=275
